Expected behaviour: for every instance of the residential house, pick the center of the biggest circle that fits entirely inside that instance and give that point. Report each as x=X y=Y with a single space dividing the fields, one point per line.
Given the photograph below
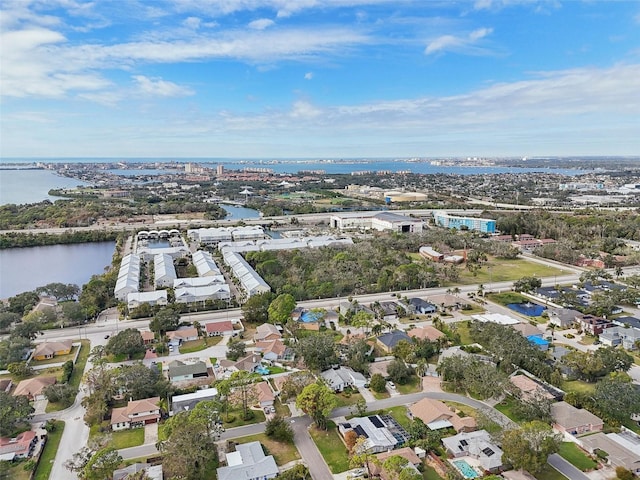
x=389 y=311
x=526 y=329
x=183 y=335
x=274 y=350
x=154 y=297
x=562 y=317
x=264 y=394
x=20 y=446
x=33 y=388
x=216 y=329
x=477 y=445
x=377 y=469
x=575 y=421
x=249 y=363
x=148 y=337
x=379 y=367
x=627 y=322
x=152 y=472
x=5 y=385
x=426 y=333
x=248 y=462
x=379 y=437
x=619 y=455
x=529 y=388
x=267 y=331
x=186 y=402
x=592 y=324
x=420 y=306
x=48 y=350
x=137 y=413
x=179 y=371
x=342 y=377
x=629 y=338
x=388 y=341
x=436 y=415
x=354 y=307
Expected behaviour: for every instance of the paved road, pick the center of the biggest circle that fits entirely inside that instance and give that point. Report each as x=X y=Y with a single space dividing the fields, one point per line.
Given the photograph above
x=565 y=468
x=308 y=451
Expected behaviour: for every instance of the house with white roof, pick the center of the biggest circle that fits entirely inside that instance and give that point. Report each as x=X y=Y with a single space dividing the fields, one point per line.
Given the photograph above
x=155 y=297
x=164 y=271
x=202 y=294
x=379 y=437
x=186 y=402
x=248 y=462
x=342 y=377
x=128 y=277
x=477 y=445
x=204 y=263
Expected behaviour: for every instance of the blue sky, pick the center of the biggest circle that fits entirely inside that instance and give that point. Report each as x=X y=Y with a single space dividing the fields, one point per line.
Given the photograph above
x=319 y=78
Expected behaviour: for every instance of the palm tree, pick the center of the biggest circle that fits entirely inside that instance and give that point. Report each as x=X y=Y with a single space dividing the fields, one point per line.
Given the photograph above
x=618 y=271
x=481 y=290
x=376 y=329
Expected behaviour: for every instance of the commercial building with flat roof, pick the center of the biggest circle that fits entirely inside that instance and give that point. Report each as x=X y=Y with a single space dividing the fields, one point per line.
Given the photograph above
x=483 y=225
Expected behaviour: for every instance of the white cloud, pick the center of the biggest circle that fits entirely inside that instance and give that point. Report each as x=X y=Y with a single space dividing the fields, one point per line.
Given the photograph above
x=192 y=22
x=459 y=44
x=261 y=24
x=308 y=75
x=160 y=88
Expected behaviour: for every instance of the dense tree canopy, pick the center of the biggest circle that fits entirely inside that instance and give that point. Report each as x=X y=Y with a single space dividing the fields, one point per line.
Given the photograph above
x=317 y=400
x=281 y=308
x=13 y=411
x=127 y=342
x=318 y=351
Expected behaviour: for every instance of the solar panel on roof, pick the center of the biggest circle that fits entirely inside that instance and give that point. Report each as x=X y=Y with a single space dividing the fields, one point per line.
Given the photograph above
x=464 y=443
x=376 y=421
x=488 y=452
x=360 y=431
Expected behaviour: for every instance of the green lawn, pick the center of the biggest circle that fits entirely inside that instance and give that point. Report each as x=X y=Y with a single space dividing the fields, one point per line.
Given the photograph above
x=331 y=447
x=127 y=438
x=462 y=328
x=258 y=417
x=506 y=406
x=274 y=370
x=193 y=346
x=506 y=270
x=380 y=396
x=49 y=453
x=507 y=298
x=549 y=473
x=400 y=415
x=578 y=386
x=282 y=452
x=348 y=398
x=572 y=453
x=430 y=474
x=412 y=386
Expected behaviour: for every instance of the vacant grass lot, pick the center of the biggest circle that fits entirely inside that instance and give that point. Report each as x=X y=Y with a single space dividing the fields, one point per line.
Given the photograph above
x=346 y=399
x=506 y=406
x=193 y=346
x=49 y=453
x=258 y=416
x=430 y=474
x=331 y=447
x=412 y=386
x=282 y=452
x=462 y=328
x=506 y=270
x=572 y=453
x=578 y=386
x=127 y=438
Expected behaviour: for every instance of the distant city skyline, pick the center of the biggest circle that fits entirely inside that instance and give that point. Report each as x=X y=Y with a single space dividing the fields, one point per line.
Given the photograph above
x=319 y=78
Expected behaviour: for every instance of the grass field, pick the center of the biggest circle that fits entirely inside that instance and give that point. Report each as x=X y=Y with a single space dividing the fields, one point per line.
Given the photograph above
x=49 y=453
x=462 y=328
x=282 y=452
x=571 y=453
x=347 y=399
x=506 y=406
x=331 y=447
x=193 y=346
x=127 y=438
x=412 y=386
x=258 y=416
x=578 y=386
x=76 y=375
x=430 y=474
x=380 y=396
x=500 y=270
x=507 y=297
x=549 y=473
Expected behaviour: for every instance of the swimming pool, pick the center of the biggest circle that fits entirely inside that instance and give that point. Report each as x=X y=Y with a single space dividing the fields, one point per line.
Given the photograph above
x=529 y=309
x=308 y=317
x=262 y=370
x=465 y=469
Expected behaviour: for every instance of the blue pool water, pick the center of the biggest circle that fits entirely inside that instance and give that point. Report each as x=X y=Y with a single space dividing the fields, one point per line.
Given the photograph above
x=529 y=309
x=308 y=317
x=262 y=370
x=466 y=470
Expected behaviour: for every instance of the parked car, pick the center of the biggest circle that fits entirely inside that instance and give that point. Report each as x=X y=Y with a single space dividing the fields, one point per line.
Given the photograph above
x=358 y=472
x=106 y=337
x=267 y=410
x=272 y=409
x=392 y=385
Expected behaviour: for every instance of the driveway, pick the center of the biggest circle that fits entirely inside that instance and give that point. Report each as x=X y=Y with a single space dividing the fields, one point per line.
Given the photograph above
x=151 y=433
x=39 y=406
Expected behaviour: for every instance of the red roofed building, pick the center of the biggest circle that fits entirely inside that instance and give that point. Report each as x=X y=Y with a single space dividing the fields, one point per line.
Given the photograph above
x=136 y=414
x=215 y=329
x=20 y=446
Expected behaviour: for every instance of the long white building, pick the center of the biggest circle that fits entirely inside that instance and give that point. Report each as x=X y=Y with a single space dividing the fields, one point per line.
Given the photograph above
x=213 y=236
x=251 y=281
x=164 y=270
x=205 y=265
x=381 y=221
x=128 y=277
x=202 y=294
